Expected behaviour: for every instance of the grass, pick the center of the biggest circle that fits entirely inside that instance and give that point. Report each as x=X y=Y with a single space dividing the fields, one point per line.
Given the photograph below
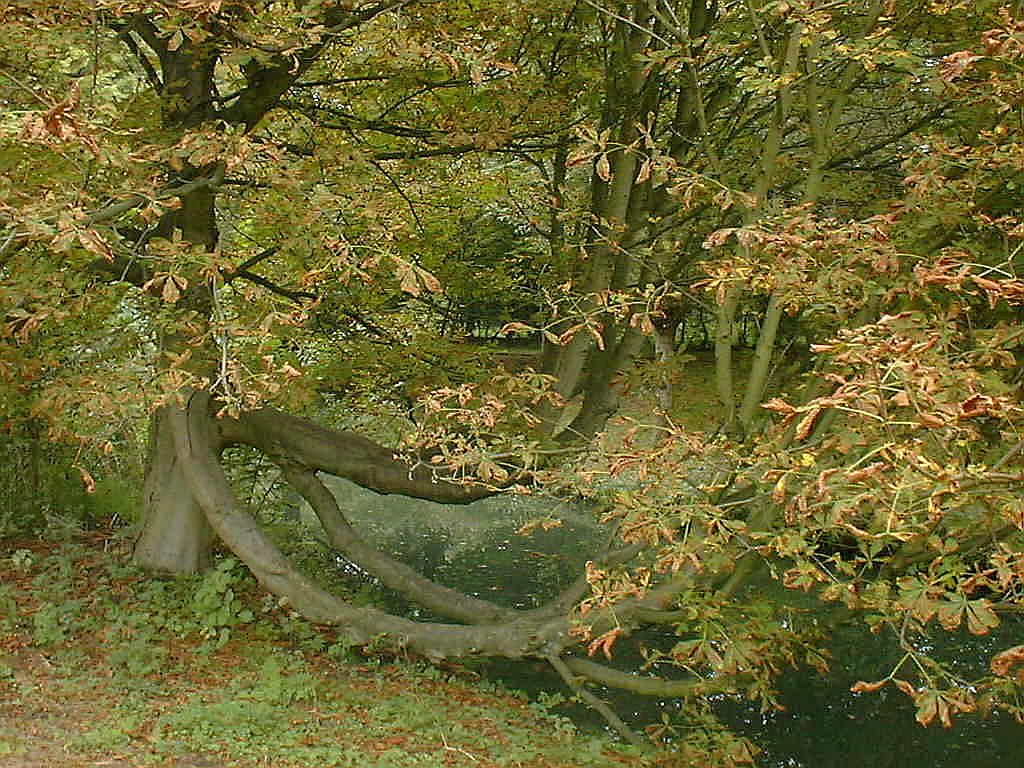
x=102 y=665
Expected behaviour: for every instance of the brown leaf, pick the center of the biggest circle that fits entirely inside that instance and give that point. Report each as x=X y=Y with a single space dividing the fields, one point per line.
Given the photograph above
x=1002 y=661
x=92 y=241
x=950 y=615
x=87 y=480
x=862 y=687
x=449 y=61
x=806 y=425
x=579 y=157
x=778 y=405
x=955 y=64
x=860 y=475
x=170 y=292
x=900 y=399
x=175 y=41
x=604 y=643
x=980 y=617
x=407 y=277
x=779 y=491
x=604 y=169
x=430 y=282
x=566 y=336
x=906 y=687
x=645 y=172
x=976 y=405
x=931 y=420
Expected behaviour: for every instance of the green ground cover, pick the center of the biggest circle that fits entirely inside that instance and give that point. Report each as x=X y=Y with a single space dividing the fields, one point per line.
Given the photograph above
x=102 y=665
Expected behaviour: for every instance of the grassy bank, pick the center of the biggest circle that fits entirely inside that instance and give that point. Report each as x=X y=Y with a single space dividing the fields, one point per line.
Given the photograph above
x=102 y=665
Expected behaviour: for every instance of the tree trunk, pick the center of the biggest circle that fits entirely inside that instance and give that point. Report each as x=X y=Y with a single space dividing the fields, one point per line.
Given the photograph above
x=724 y=320
x=761 y=366
x=175 y=535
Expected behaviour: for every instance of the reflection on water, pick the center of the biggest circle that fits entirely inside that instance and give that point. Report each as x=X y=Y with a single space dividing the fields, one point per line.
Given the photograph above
x=476 y=548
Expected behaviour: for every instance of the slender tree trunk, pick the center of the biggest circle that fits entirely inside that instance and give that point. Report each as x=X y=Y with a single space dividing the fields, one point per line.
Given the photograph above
x=724 y=320
x=758 y=379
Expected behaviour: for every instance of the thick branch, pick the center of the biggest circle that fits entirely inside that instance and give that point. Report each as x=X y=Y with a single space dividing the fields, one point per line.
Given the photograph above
x=267 y=84
x=345 y=454
x=112 y=211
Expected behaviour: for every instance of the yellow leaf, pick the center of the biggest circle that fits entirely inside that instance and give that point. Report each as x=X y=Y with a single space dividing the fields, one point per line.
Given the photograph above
x=645 y=172
x=176 y=40
x=87 y=480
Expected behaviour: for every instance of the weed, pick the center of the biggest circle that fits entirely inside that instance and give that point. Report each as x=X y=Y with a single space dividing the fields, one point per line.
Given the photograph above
x=23 y=560
x=107 y=736
x=52 y=623
x=215 y=605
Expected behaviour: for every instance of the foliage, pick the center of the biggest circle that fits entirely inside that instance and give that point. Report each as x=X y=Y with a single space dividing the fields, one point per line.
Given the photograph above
x=296 y=205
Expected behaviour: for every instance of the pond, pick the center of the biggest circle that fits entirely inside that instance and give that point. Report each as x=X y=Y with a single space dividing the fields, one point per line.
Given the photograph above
x=476 y=548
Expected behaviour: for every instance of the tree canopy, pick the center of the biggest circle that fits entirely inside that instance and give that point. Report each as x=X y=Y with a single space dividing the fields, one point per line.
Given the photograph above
x=279 y=224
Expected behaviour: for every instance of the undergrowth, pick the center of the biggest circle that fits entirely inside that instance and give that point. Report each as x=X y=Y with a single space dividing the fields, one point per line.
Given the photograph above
x=101 y=663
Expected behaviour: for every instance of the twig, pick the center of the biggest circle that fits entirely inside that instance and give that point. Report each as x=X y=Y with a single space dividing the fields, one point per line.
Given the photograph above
x=629 y=22
x=595 y=703
x=460 y=750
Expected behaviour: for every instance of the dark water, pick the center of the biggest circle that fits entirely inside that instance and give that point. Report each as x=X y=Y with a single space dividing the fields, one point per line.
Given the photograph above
x=825 y=724
x=476 y=548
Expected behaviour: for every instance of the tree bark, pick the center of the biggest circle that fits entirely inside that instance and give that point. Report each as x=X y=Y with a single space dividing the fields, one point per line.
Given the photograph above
x=296 y=441
x=761 y=366
x=174 y=535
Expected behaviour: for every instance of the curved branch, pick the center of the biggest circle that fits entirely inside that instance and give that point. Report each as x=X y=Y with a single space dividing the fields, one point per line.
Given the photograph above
x=266 y=85
x=152 y=76
x=130 y=203
x=292 y=295
x=645 y=686
x=393 y=574
x=114 y=210
x=198 y=450
x=594 y=702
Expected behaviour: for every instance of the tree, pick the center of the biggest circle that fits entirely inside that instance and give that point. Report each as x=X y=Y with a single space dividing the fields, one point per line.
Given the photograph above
x=231 y=194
